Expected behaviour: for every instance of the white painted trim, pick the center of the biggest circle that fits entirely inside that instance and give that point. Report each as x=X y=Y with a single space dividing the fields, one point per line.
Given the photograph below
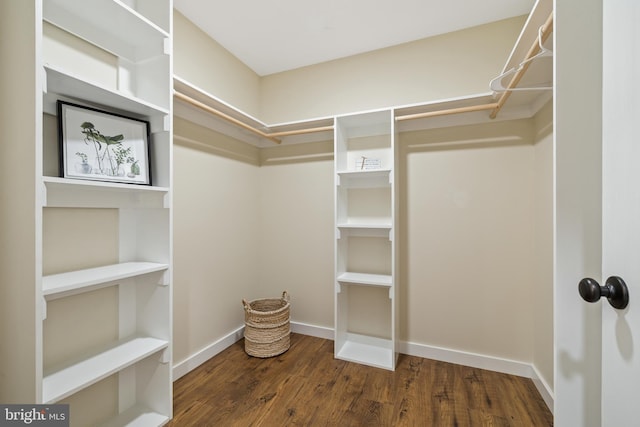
x=543 y=388
x=474 y=360
x=312 y=330
x=192 y=362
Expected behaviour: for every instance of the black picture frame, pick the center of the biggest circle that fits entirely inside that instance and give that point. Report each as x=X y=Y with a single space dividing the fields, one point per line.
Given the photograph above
x=98 y=145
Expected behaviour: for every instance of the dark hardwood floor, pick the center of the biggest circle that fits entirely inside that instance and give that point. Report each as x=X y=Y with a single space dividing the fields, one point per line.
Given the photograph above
x=306 y=386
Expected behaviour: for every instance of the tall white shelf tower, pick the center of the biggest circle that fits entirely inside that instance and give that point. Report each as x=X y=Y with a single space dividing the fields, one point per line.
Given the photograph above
x=366 y=288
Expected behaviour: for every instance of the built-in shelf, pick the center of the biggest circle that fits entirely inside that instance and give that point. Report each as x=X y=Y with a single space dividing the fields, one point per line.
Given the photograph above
x=60 y=83
x=67 y=381
x=64 y=284
x=367 y=350
x=65 y=192
x=365 y=219
x=365 y=279
x=364 y=230
x=383 y=225
x=129 y=46
x=375 y=178
x=136 y=40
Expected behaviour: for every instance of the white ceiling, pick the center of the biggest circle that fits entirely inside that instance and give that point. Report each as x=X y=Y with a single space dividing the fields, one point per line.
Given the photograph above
x=271 y=36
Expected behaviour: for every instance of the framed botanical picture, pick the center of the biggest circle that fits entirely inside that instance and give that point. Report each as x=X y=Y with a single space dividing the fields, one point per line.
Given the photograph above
x=102 y=146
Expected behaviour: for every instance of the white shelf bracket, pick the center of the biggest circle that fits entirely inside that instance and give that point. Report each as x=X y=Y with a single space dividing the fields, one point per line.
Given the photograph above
x=338 y=183
x=44 y=308
x=391 y=293
x=167 y=46
x=43 y=194
x=165 y=356
x=338 y=287
x=391 y=237
x=164 y=278
x=338 y=234
x=166 y=200
x=44 y=80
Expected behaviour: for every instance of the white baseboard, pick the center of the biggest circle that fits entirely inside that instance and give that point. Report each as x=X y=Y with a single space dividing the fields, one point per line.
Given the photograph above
x=192 y=362
x=312 y=330
x=473 y=360
x=491 y=363
x=543 y=388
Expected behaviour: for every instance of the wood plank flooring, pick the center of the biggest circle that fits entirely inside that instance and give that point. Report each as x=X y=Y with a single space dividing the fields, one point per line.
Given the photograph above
x=306 y=386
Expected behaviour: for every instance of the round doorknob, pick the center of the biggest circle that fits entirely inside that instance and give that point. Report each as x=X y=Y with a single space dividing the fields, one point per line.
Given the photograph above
x=615 y=290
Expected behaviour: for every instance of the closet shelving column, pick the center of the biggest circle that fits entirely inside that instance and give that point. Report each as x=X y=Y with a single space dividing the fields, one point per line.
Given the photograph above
x=366 y=291
x=137 y=35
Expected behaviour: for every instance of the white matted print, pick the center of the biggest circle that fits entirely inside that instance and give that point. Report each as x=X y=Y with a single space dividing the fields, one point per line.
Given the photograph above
x=101 y=146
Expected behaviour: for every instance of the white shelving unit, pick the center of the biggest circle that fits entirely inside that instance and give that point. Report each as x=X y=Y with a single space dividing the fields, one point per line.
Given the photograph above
x=366 y=243
x=129 y=366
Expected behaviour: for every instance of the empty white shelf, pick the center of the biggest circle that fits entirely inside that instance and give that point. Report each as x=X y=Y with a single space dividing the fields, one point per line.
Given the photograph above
x=74 y=378
x=86 y=19
x=385 y=225
x=84 y=280
x=138 y=416
x=365 y=178
x=365 y=279
x=367 y=350
x=60 y=82
x=78 y=193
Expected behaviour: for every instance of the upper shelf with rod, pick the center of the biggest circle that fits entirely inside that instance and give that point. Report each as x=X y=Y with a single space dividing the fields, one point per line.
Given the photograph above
x=207 y=110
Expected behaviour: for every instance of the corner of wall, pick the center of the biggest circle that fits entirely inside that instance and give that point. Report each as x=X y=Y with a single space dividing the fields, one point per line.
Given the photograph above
x=198 y=59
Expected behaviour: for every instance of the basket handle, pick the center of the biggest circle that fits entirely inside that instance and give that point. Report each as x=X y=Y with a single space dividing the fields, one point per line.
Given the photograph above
x=285 y=296
x=246 y=305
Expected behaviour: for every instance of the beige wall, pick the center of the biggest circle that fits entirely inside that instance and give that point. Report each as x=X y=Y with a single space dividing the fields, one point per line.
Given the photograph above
x=296 y=229
x=467 y=232
x=204 y=63
x=542 y=295
x=19 y=217
x=451 y=65
x=216 y=235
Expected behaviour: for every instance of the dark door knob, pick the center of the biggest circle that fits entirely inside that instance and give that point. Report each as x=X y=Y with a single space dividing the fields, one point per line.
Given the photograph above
x=615 y=290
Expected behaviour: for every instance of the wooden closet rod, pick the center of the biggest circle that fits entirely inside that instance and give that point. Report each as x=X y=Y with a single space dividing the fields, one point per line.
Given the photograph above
x=458 y=110
x=272 y=136
x=547 y=28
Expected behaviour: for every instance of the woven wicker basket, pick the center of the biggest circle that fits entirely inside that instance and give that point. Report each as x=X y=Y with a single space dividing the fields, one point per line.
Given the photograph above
x=266 y=332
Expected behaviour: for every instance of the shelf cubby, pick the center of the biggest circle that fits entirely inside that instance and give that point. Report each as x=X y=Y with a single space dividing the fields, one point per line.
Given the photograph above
x=367 y=350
